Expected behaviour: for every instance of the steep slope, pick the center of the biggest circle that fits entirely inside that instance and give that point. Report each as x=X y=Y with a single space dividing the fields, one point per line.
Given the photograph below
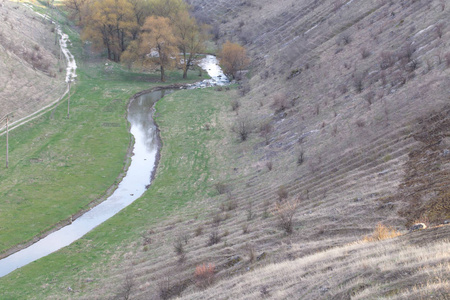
x=31 y=71
x=356 y=97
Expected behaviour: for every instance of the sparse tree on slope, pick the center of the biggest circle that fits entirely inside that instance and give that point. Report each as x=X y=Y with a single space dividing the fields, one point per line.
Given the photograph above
x=233 y=59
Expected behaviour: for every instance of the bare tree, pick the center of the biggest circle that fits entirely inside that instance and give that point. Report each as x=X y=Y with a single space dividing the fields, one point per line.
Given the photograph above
x=285 y=212
x=242 y=128
x=265 y=131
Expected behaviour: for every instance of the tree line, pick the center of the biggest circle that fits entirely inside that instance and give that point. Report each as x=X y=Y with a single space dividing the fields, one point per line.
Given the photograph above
x=147 y=33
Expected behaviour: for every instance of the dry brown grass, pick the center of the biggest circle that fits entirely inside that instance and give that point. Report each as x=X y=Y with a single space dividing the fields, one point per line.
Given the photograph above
x=382 y=232
x=388 y=269
x=29 y=66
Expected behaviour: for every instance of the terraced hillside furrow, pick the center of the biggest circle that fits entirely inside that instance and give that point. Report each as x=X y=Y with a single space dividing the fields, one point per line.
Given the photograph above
x=31 y=71
x=356 y=97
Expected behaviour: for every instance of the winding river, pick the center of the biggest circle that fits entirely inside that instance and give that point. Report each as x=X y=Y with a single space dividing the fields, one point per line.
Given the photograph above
x=132 y=186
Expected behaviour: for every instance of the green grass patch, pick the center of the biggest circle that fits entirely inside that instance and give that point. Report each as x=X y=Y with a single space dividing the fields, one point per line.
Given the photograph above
x=188 y=161
x=58 y=166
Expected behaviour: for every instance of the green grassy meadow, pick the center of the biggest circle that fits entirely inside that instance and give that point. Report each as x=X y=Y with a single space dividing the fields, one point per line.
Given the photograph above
x=187 y=162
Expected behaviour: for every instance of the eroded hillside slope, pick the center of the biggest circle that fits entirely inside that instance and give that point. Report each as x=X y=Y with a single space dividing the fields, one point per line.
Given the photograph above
x=347 y=107
x=352 y=86
x=31 y=73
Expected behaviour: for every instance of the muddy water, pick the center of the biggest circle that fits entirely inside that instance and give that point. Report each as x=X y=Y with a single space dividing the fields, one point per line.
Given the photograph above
x=130 y=188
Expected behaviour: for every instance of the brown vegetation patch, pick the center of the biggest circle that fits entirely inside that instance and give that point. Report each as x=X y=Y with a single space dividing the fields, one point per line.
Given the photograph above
x=427 y=177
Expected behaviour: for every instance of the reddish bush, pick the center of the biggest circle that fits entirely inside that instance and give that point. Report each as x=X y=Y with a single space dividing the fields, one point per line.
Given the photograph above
x=204 y=274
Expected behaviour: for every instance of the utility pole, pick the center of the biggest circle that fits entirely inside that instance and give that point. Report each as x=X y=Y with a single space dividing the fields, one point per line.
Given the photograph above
x=7 y=146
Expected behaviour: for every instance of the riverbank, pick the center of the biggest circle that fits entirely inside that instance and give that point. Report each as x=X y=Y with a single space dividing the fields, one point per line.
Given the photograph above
x=61 y=167
x=180 y=155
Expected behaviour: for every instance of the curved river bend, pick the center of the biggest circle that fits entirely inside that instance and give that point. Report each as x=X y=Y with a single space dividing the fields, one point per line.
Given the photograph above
x=132 y=186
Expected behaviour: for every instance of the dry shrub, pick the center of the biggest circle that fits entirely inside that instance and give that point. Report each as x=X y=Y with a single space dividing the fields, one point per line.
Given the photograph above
x=199 y=230
x=235 y=105
x=447 y=59
x=242 y=128
x=126 y=288
x=358 y=81
x=221 y=188
x=204 y=275
x=343 y=89
x=265 y=130
x=214 y=238
x=280 y=102
x=170 y=287
x=387 y=59
x=365 y=53
x=360 y=123
x=382 y=232
x=285 y=212
x=282 y=193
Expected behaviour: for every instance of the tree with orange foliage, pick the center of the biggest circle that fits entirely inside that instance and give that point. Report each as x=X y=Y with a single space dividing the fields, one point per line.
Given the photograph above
x=108 y=24
x=190 y=38
x=233 y=59
x=158 y=44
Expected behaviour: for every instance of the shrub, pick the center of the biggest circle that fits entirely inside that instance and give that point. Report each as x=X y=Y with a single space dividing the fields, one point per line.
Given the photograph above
x=251 y=252
x=343 y=88
x=231 y=205
x=178 y=247
x=168 y=289
x=369 y=97
x=382 y=232
x=365 y=53
x=406 y=53
x=217 y=218
x=221 y=188
x=285 y=212
x=439 y=29
x=447 y=59
x=214 y=238
x=387 y=59
x=280 y=102
x=204 y=275
x=282 y=193
x=199 y=230
x=358 y=82
x=265 y=130
x=301 y=157
x=126 y=288
x=245 y=228
x=235 y=105
x=242 y=128
x=250 y=214
x=344 y=39
x=360 y=123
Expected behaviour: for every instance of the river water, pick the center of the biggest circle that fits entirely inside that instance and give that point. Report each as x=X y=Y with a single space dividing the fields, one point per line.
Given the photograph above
x=132 y=186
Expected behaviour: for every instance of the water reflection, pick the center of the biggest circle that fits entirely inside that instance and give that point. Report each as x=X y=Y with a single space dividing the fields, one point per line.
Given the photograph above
x=132 y=186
